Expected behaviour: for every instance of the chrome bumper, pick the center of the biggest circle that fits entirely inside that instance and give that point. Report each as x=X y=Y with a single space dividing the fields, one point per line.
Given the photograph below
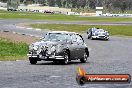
x=46 y=57
x=101 y=37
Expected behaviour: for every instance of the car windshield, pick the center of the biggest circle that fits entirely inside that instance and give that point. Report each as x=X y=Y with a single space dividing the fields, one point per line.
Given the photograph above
x=57 y=37
x=100 y=30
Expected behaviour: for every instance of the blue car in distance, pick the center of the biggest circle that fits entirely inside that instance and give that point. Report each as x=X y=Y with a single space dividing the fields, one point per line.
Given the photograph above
x=97 y=33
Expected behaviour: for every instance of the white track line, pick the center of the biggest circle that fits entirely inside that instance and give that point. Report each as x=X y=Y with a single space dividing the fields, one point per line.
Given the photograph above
x=38 y=29
x=54 y=76
x=29 y=28
x=20 y=27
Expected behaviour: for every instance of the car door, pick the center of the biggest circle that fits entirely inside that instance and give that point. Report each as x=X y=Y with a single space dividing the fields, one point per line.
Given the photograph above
x=80 y=46
x=74 y=47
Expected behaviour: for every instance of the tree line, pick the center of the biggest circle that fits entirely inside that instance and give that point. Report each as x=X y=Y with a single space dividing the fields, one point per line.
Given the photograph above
x=110 y=5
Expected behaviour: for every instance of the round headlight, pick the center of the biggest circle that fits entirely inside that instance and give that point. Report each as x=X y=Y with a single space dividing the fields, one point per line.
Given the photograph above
x=58 y=47
x=52 y=49
x=35 y=47
x=107 y=33
x=31 y=47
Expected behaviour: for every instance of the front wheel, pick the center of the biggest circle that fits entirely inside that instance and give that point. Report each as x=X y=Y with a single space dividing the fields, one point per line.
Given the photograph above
x=66 y=58
x=89 y=37
x=55 y=62
x=84 y=59
x=92 y=38
x=107 y=39
x=32 y=60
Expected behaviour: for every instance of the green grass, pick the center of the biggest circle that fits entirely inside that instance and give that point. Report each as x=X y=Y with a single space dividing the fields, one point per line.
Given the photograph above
x=11 y=50
x=114 y=30
x=42 y=16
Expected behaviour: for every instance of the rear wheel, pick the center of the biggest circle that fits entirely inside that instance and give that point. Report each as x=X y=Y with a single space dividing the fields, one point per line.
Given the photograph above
x=32 y=60
x=85 y=57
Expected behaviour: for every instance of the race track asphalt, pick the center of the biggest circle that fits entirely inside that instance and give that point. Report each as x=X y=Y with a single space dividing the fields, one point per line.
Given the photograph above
x=106 y=57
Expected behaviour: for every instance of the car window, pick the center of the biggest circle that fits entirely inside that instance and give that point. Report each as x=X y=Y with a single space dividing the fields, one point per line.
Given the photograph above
x=57 y=37
x=73 y=38
x=79 y=39
x=89 y=30
x=68 y=37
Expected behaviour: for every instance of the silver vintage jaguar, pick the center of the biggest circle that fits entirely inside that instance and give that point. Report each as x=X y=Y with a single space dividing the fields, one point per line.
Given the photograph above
x=59 y=46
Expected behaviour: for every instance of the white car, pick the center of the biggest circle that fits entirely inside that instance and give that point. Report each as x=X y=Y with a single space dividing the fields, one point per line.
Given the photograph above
x=97 y=33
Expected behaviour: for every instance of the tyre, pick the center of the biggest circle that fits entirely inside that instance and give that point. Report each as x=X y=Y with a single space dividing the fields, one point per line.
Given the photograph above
x=32 y=60
x=107 y=39
x=92 y=38
x=88 y=37
x=55 y=62
x=85 y=57
x=66 y=58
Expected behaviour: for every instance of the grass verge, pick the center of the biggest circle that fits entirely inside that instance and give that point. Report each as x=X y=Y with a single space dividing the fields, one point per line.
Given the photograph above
x=42 y=16
x=11 y=50
x=114 y=30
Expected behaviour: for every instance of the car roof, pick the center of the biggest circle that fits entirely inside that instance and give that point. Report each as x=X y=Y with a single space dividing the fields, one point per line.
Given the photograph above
x=98 y=29
x=101 y=29
x=63 y=32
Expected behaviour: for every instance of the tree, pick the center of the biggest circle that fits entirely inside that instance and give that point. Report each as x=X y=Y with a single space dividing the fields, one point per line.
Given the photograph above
x=3 y=0
x=92 y=4
x=123 y=6
x=110 y=5
x=58 y=2
x=51 y=2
